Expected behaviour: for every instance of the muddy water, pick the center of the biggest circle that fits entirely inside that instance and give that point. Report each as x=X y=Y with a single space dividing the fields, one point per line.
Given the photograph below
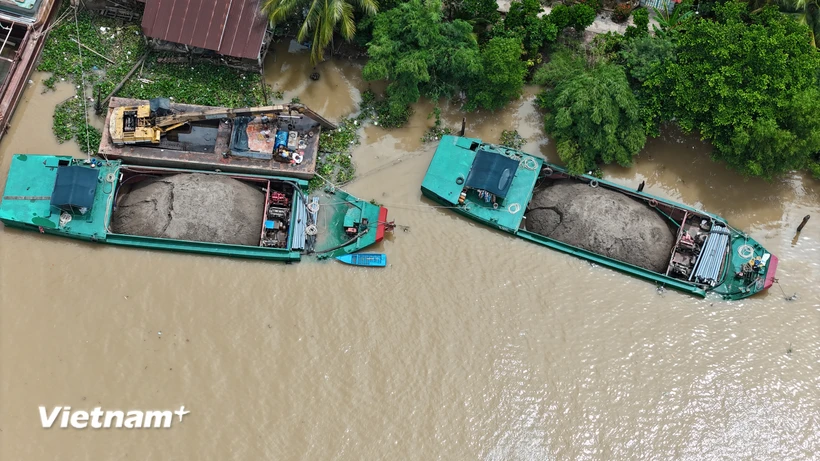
x=470 y=345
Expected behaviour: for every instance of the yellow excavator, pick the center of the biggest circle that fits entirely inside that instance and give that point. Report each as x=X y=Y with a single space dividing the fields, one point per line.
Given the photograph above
x=146 y=123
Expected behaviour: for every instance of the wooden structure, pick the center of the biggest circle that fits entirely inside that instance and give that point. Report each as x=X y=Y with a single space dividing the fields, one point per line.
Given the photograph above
x=23 y=29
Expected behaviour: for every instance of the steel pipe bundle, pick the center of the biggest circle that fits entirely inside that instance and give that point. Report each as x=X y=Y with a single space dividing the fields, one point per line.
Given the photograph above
x=707 y=268
x=299 y=234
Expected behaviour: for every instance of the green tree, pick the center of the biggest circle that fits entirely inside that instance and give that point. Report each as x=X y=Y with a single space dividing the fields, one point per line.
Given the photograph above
x=502 y=77
x=805 y=12
x=479 y=12
x=522 y=21
x=560 y=16
x=420 y=54
x=646 y=59
x=581 y=16
x=749 y=84
x=321 y=20
x=641 y=28
x=593 y=115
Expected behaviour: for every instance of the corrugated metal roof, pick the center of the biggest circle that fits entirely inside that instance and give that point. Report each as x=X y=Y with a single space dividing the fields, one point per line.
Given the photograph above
x=230 y=27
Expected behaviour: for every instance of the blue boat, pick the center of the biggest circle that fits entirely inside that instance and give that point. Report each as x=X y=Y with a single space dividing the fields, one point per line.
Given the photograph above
x=364 y=259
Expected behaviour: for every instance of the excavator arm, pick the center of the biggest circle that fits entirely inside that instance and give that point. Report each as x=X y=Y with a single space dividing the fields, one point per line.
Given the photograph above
x=136 y=124
x=175 y=120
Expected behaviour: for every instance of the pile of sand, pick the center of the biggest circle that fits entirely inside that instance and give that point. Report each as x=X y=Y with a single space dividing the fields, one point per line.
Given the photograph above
x=198 y=207
x=602 y=221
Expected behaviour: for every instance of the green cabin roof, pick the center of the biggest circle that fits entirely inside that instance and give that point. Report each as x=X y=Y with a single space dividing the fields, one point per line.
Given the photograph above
x=464 y=162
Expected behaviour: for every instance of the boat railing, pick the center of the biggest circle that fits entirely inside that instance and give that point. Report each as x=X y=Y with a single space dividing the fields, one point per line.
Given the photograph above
x=677 y=240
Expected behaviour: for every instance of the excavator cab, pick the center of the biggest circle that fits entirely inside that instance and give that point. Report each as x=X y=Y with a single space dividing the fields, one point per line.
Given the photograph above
x=132 y=124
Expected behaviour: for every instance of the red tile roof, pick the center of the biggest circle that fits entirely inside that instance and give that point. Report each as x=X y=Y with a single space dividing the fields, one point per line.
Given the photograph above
x=230 y=27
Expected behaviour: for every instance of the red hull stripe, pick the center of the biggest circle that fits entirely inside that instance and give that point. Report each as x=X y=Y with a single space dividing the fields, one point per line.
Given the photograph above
x=380 y=227
x=770 y=273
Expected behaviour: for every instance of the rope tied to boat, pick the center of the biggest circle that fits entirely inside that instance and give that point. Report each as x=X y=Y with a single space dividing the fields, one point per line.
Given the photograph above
x=785 y=296
x=82 y=82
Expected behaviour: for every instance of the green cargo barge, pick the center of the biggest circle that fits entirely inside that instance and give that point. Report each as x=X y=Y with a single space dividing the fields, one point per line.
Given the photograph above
x=494 y=185
x=64 y=196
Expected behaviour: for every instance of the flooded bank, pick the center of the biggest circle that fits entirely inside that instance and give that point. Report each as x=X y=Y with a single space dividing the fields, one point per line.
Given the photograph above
x=470 y=345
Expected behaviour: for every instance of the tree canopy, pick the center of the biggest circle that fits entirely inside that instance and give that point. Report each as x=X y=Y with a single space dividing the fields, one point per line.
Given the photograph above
x=420 y=54
x=593 y=115
x=321 y=20
x=502 y=76
x=749 y=84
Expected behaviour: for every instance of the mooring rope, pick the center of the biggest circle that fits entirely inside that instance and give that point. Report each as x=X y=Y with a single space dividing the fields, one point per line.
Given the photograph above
x=409 y=206
x=82 y=82
x=788 y=298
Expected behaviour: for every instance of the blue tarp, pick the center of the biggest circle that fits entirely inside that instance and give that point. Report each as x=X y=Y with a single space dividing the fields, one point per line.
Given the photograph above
x=492 y=172
x=74 y=187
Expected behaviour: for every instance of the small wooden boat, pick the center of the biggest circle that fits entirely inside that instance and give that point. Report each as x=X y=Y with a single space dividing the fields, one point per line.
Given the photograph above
x=364 y=259
x=63 y=196
x=495 y=185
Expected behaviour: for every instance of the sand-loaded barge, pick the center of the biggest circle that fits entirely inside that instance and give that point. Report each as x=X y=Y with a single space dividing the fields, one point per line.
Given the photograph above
x=205 y=212
x=603 y=222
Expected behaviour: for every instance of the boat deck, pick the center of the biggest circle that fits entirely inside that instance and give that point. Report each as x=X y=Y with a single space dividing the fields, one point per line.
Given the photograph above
x=184 y=148
x=447 y=177
x=29 y=202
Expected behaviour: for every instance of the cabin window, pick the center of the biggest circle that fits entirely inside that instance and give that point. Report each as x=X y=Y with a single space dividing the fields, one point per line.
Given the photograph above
x=63 y=163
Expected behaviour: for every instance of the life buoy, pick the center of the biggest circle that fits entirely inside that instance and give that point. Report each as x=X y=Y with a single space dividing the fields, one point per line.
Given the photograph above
x=514 y=208
x=530 y=163
x=593 y=183
x=547 y=171
x=745 y=251
x=653 y=203
x=297 y=157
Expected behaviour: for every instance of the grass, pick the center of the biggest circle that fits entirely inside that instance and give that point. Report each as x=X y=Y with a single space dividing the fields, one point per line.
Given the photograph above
x=201 y=83
x=335 y=163
x=61 y=56
x=511 y=138
x=437 y=130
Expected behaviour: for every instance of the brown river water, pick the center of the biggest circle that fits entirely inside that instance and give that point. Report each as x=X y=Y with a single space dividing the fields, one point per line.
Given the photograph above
x=470 y=345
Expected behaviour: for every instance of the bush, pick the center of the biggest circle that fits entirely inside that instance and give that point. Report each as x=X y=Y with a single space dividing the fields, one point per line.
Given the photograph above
x=621 y=12
x=560 y=16
x=596 y=5
x=581 y=17
x=593 y=116
x=641 y=28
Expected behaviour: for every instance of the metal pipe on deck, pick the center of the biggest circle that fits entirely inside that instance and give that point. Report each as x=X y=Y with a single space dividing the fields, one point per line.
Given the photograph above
x=704 y=252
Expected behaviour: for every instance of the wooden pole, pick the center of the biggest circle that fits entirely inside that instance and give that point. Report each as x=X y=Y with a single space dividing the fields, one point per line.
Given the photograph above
x=262 y=78
x=89 y=49
x=122 y=82
x=803 y=224
x=463 y=125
